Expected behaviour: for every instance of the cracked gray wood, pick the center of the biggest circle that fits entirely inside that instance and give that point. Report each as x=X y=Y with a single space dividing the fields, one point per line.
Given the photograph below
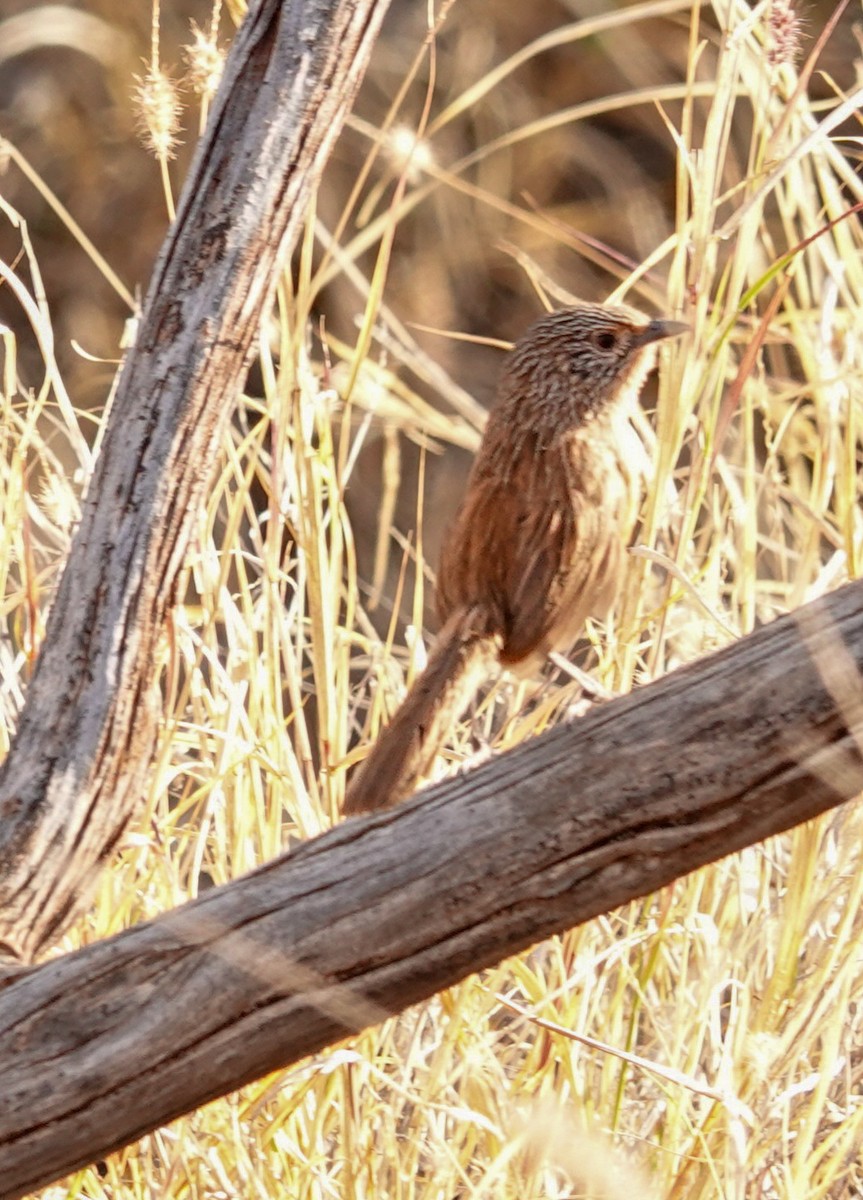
x=105 y=1044
x=85 y=738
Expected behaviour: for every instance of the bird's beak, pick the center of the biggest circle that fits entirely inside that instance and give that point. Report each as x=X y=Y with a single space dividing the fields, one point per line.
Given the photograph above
x=658 y=329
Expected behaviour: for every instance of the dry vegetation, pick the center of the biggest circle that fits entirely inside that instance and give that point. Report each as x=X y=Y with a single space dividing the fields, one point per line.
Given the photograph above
x=704 y=1042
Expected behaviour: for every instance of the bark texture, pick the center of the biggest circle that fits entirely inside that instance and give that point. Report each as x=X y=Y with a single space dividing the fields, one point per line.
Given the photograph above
x=85 y=738
x=105 y=1044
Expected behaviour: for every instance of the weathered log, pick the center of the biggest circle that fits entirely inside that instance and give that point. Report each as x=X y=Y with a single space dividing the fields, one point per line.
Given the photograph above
x=107 y=1043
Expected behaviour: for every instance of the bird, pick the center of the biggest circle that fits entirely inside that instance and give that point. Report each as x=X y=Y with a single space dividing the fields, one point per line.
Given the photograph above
x=539 y=542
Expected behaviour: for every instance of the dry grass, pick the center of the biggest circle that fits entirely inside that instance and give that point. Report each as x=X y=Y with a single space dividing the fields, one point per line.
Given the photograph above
x=702 y=1042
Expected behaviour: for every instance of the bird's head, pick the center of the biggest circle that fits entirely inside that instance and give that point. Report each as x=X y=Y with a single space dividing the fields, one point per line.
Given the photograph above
x=583 y=359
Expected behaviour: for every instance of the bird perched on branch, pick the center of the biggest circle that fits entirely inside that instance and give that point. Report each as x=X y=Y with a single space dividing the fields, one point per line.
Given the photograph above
x=539 y=542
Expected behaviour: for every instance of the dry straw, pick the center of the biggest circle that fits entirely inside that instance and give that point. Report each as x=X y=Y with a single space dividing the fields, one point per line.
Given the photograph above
x=731 y=999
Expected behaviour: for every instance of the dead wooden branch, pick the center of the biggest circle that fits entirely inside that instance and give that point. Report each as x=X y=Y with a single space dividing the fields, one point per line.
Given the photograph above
x=86 y=734
x=105 y=1044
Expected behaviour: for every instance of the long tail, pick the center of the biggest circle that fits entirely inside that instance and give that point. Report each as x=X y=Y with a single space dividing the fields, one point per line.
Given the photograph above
x=459 y=662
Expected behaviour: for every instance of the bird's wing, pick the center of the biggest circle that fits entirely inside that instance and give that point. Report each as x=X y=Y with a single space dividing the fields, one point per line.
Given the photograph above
x=533 y=552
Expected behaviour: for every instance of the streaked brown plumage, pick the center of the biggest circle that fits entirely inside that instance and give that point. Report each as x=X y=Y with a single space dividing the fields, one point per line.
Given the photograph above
x=538 y=544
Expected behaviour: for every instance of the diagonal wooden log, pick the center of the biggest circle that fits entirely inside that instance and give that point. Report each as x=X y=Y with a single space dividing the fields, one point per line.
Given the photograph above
x=86 y=734
x=107 y=1043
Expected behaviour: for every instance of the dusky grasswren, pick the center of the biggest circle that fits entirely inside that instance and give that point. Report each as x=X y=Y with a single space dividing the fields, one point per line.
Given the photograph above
x=539 y=542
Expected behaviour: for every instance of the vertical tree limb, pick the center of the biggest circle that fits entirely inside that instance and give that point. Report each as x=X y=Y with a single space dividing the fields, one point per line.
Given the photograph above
x=86 y=735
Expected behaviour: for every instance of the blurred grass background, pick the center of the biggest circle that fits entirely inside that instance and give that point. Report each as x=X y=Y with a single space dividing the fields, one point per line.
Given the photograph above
x=499 y=158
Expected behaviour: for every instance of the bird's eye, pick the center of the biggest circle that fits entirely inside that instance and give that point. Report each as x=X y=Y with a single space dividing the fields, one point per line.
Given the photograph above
x=605 y=339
